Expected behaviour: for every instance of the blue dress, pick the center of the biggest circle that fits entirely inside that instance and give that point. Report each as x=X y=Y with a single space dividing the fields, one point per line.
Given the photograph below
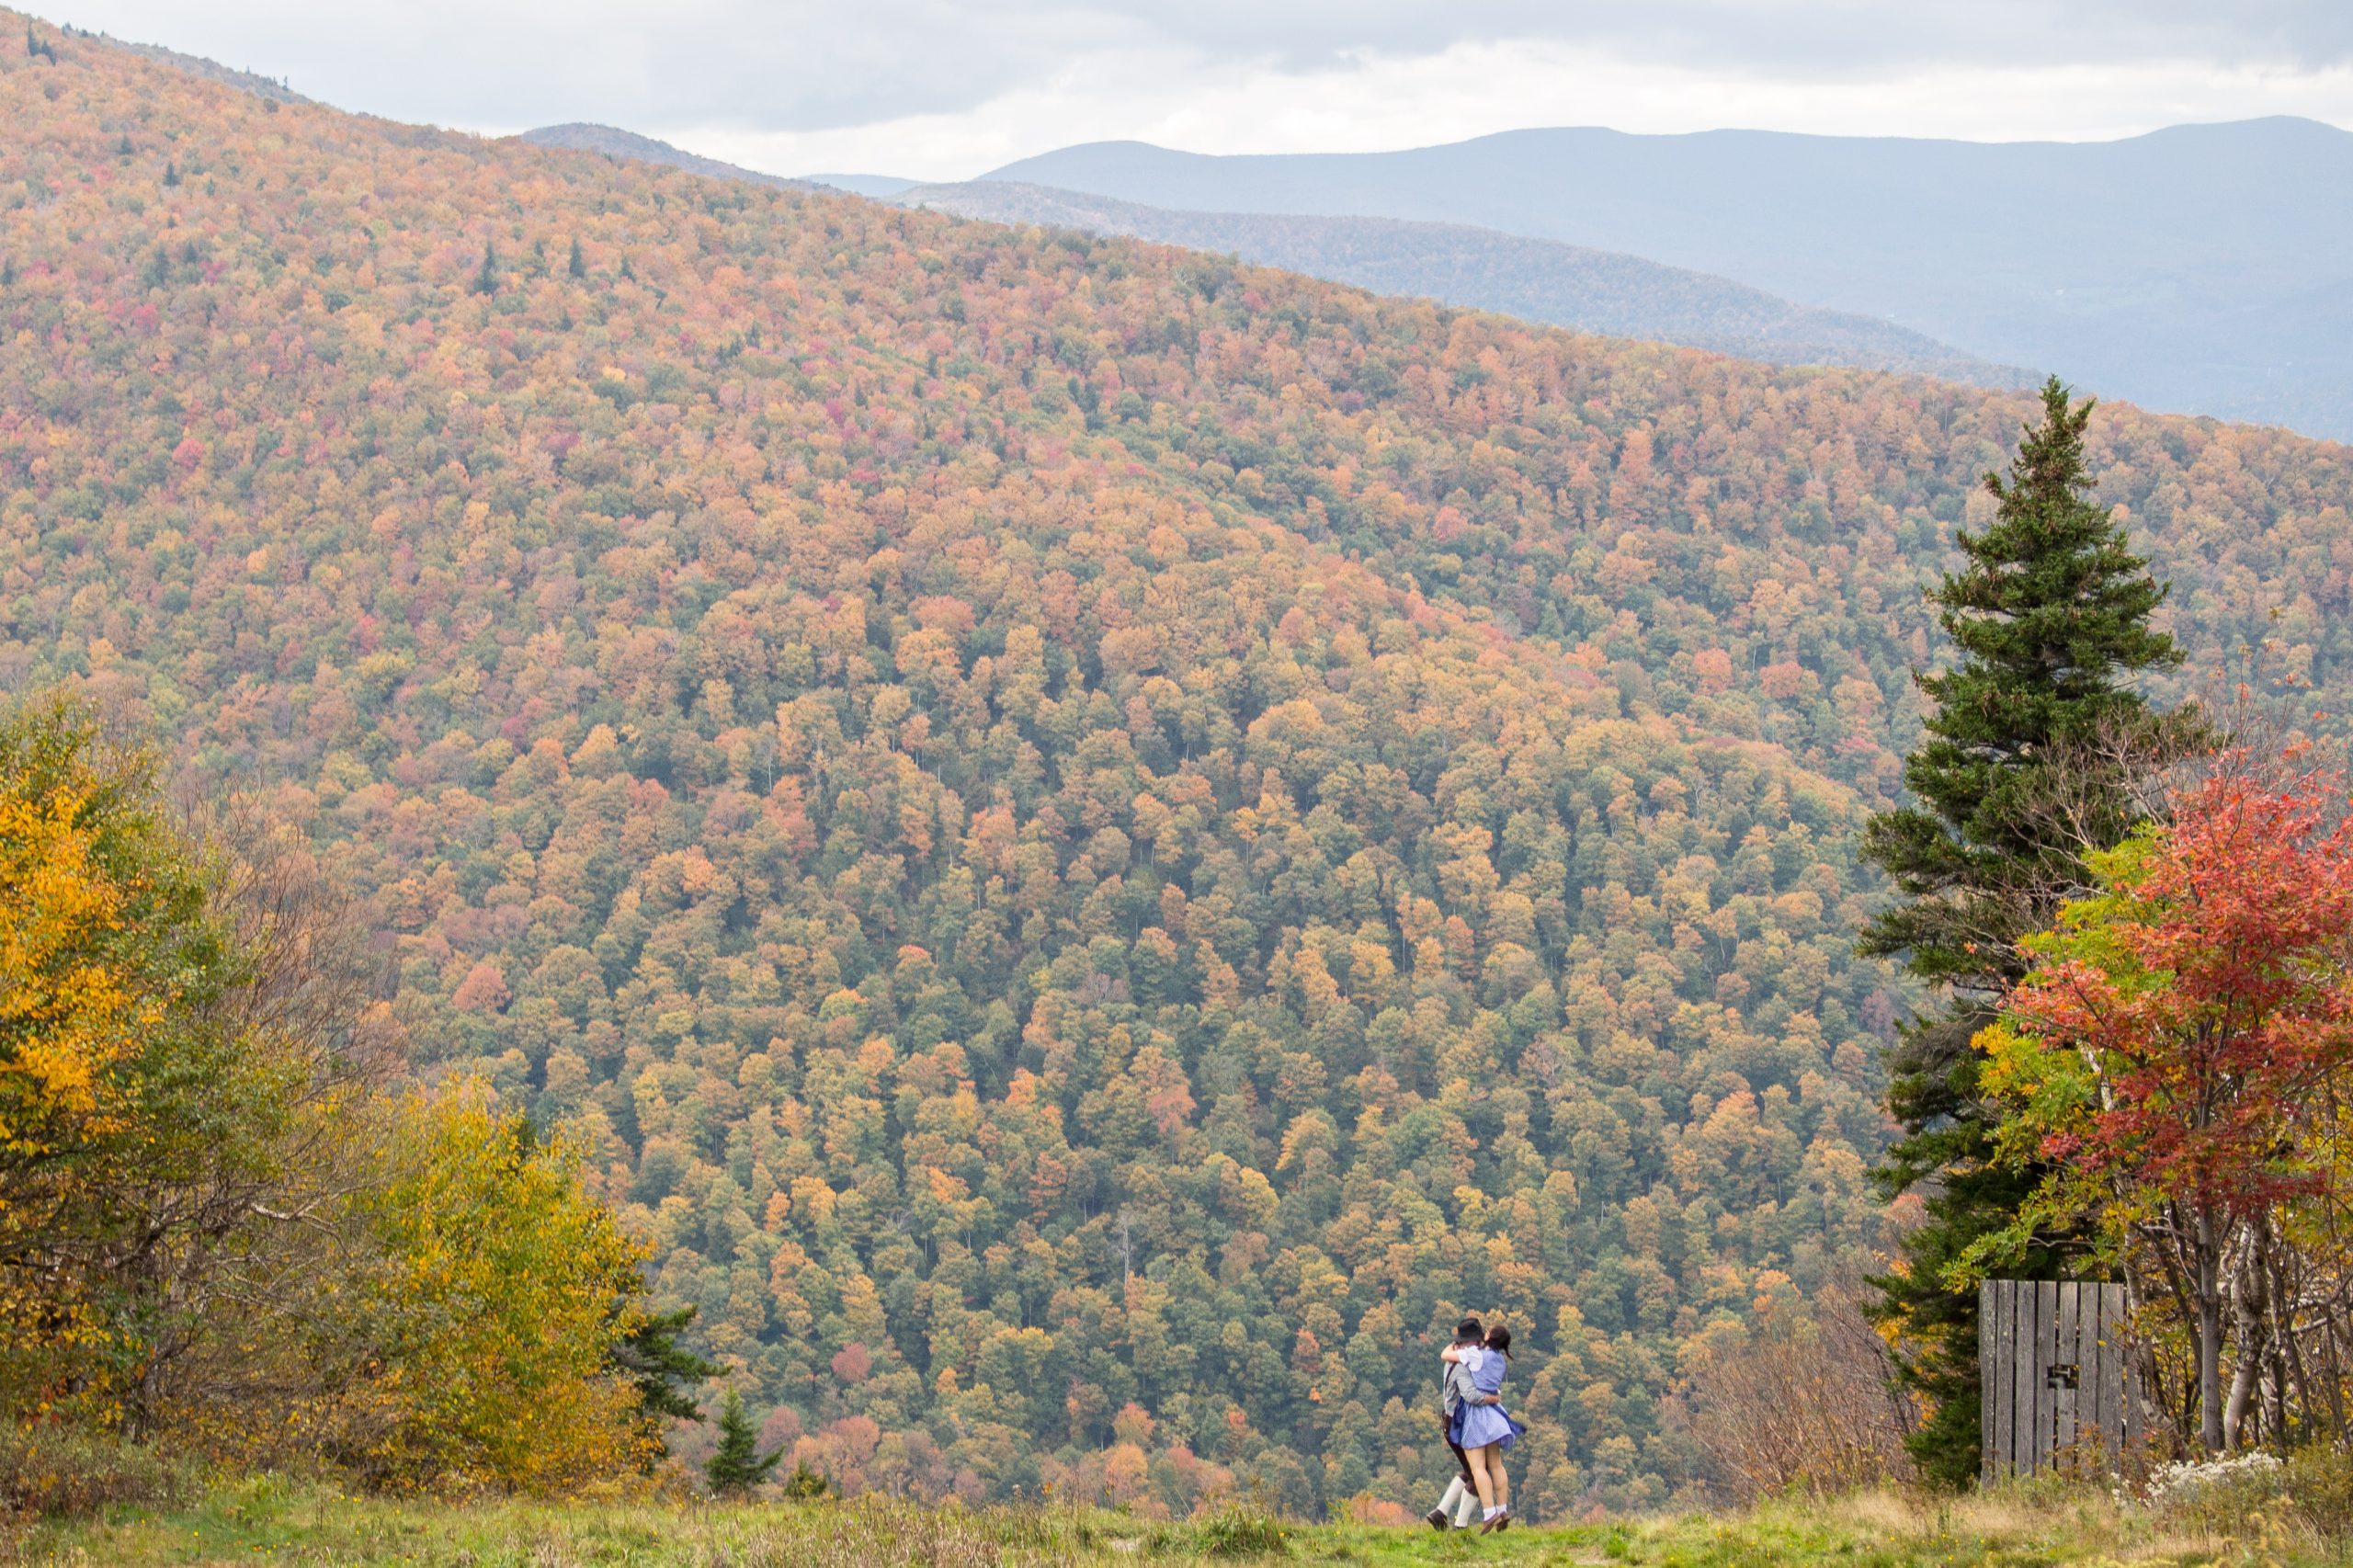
x=1476 y=1425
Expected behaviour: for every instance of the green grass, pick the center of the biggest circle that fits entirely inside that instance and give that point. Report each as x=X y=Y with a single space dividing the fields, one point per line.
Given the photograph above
x=270 y=1521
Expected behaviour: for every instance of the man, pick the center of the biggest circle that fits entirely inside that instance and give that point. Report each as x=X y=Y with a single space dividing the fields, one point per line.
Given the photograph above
x=1462 y=1499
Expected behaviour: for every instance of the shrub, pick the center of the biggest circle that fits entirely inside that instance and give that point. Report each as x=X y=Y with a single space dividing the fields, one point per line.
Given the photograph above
x=2319 y=1483
x=61 y=1473
x=1809 y=1402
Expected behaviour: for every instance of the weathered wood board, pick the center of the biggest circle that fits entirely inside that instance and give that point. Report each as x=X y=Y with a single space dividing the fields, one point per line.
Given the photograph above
x=2058 y=1387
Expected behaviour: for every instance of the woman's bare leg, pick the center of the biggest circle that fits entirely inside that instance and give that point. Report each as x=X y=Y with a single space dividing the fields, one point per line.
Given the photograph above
x=1480 y=1478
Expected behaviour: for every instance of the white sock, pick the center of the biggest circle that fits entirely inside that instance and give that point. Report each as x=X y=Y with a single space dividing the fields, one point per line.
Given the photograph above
x=1465 y=1510
x=1491 y=1513
x=1445 y=1505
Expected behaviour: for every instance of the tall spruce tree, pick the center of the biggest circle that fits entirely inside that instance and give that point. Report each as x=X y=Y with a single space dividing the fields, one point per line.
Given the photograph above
x=2049 y=614
x=737 y=1465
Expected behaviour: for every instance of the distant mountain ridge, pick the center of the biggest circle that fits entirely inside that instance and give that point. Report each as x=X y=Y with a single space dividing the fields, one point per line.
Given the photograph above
x=581 y=136
x=2202 y=268
x=1544 y=280
x=1482 y=269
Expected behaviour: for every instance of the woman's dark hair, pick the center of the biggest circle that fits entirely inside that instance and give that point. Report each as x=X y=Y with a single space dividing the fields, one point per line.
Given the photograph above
x=1499 y=1339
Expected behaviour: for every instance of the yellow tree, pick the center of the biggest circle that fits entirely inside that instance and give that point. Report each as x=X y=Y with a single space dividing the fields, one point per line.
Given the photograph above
x=103 y=935
x=479 y=1349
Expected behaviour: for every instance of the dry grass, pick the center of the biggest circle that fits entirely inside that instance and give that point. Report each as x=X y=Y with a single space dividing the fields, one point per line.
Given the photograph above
x=2023 y=1518
x=2024 y=1527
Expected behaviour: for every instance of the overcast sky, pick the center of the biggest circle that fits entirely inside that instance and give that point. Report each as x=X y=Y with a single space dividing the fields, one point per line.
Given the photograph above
x=945 y=89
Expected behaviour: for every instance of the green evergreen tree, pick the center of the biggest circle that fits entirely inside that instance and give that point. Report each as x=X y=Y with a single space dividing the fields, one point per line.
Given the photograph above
x=171 y=173
x=737 y=1465
x=486 y=280
x=805 y=1484
x=2050 y=613
x=664 y=1372
x=579 y=263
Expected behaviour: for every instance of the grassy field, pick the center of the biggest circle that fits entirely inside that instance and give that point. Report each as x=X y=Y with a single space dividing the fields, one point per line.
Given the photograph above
x=268 y=1521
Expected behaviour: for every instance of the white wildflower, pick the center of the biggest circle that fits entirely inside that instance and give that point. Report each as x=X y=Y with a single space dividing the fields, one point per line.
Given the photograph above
x=2187 y=1480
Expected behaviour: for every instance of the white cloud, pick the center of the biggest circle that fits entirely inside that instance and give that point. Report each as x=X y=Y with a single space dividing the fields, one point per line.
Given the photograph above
x=1365 y=104
x=949 y=88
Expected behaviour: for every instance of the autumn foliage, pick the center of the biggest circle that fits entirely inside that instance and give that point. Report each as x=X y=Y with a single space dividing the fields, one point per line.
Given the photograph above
x=1108 y=828
x=2220 y=1004
x=2181 y=1054
x=484 y=1322
x=222 y=1231
x=102 y=941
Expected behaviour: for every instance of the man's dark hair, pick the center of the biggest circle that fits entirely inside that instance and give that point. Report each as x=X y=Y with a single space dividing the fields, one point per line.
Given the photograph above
x=1469 y=1331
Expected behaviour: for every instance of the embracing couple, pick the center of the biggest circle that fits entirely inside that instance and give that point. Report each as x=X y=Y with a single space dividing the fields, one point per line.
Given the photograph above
x=1478 y=1427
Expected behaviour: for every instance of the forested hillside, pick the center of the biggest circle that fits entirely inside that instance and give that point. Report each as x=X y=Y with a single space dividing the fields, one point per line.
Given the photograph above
x=1098 y=840
x=1458 y=264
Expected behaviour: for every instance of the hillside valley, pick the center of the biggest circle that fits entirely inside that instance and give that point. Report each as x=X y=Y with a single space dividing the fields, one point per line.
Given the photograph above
x=1094 y=840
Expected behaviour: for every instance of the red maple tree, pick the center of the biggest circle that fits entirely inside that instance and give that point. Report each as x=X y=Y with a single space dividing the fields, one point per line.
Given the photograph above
x=2211 y=997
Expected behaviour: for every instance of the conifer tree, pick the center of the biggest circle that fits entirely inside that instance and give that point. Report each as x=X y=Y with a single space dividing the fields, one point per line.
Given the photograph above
x=805 y=1484
x=2050 y=613
x=664 y=1370
x=737 y=1465
x=579 y=263
x=486 y=280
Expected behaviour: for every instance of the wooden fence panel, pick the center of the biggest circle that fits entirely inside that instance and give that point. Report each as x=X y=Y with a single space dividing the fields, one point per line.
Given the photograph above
x=2056 y=1381
x=2065 y=1366
x=2027 y=1375
x=1989 y=1408
x=1998 y=1302
x=2088 y=1347
x=2022 y=1376
x=2046 y=1352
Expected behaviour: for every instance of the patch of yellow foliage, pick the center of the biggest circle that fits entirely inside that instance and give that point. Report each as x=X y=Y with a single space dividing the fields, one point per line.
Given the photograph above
x=67 y=1010
x=501 y=1289
x=75 y=999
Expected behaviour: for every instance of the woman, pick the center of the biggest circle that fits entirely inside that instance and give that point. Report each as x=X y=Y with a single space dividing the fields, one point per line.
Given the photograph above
x=1483 y=1427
